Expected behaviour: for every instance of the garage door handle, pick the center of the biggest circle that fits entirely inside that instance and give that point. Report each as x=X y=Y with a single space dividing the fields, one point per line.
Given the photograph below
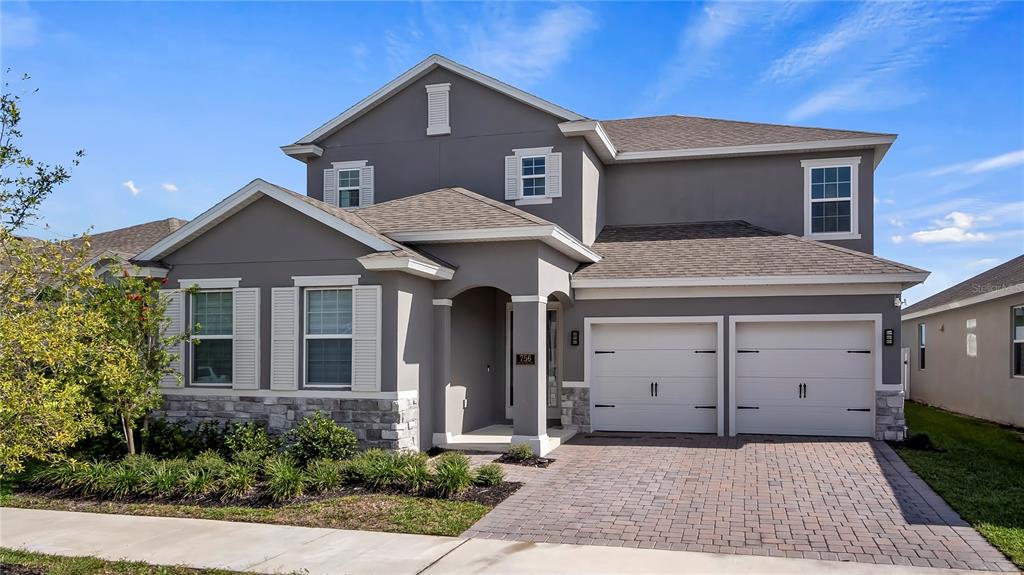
x=599 y=351
x=858 y=409
x=858 y=351
x=748 y=351
x=748 y=407
x=704 y=407
x=602 y=405
x=703 y=351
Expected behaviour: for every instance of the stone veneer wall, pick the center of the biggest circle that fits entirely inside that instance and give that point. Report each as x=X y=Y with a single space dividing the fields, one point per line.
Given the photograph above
x=385 y=423
x=576 y=407
x=890 y=419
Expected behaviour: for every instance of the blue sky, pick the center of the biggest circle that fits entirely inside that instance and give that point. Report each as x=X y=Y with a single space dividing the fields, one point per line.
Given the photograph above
x=177 y=105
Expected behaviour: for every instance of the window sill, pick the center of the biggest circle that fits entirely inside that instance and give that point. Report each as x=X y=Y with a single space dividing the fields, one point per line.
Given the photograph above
x=211 y=385
x=829 y=237
x=329 y=387
x=533 y=201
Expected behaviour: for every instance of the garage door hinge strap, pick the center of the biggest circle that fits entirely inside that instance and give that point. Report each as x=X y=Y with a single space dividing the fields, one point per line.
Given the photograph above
x=748 y=351
x=748 y=407
x=704 y=407
x=602 y=405
x=703 y=351
x=858 y=409
x=600 y=351
x=858 y=351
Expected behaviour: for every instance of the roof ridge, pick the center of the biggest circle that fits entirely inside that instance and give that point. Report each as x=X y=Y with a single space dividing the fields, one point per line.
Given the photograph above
x=507 y=208
x=852 y=252
x=748 y=123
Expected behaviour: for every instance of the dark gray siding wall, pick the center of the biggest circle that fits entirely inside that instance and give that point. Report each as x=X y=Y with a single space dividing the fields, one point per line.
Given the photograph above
x=764 y=190
x=266 y=244
x=575 y=314
x=486 y=127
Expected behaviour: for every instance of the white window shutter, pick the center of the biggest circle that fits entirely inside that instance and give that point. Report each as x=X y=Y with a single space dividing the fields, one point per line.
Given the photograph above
x=366 y=338
x=284 y=338
x=366 y=186
x=512 y=190
x=438 y=110
x=331 y=187
x=175 y=314
x=246 y=338
x=554 y=175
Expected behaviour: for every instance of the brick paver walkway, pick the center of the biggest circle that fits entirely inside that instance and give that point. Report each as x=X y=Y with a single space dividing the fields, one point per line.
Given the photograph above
x=846 y=500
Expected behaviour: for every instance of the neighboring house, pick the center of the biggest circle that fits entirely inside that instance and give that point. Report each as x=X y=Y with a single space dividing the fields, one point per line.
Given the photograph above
x=964 y=346
x=471 y=264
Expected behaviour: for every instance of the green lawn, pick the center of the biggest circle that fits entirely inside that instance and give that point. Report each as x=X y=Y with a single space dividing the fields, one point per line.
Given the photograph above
x=23 y=562
x=980 y=474
x=369 y=512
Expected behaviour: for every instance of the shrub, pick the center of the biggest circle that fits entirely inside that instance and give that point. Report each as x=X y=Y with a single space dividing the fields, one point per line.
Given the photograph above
x=164 y=477
x=238 y=481
x=375 y=467
x=318 y=437
x=284 y=478
x=198 y=482
x=249 y=458
x=519 y=452
x=919 y=442
x=452 y=474
x=250 y=437
x=59 y=475
x=489 y=475
x=414 y=471
x=93 y=479
x=210 y=462
x=162 y=438
x=128 y=476
x=323 y=474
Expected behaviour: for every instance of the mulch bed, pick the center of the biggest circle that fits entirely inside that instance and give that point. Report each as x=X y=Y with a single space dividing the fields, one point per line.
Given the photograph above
x=491 y=496
x=531 y=462
x=13 y=569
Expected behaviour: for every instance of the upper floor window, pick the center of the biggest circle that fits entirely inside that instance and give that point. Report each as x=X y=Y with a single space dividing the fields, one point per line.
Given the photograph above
x=349 y=184
x=348 y=188
x=212 y=350
x=1018 y=341
x=830 y=190
x=533 y=176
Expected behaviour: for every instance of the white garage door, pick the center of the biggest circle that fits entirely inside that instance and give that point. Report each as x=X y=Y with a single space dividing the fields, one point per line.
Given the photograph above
x=654 y=377
x=805 y=378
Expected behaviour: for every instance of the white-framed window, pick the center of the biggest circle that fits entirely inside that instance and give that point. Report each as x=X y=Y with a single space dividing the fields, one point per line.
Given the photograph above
x=830 y=198
x=327 y=337
x=1017 y=338
x=212 y=320
x=533 y=175
x=348 y=188
x=922 y=332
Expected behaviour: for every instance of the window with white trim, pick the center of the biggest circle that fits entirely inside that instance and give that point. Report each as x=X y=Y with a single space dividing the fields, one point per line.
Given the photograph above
x=922 y=332
x=830 y=187
x=328 y=337
x=348 y=188
x=533 y=170
x=1018 y=341
x=213 y=329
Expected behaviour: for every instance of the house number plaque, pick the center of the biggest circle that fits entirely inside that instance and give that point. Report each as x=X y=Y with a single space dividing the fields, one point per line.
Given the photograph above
x=526 y=359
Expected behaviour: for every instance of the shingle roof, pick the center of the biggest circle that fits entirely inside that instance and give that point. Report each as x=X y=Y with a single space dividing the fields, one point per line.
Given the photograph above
x=126 y=242
x=722 y=249
x=445 y=209
x=1002 y=276
x=688 y=132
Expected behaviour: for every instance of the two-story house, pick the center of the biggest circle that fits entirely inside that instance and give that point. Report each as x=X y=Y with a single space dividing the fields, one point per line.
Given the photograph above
x=471 y=264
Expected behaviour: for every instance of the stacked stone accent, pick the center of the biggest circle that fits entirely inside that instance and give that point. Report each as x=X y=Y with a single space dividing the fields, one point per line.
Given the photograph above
x=385 y=423
x=890 y=420
x=576 y=407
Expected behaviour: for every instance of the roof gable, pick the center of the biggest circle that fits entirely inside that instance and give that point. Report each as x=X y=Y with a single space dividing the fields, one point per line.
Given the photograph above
x=1001 y=279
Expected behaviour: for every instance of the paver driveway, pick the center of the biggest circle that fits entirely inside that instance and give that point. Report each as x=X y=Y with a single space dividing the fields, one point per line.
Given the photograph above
x=847 y=500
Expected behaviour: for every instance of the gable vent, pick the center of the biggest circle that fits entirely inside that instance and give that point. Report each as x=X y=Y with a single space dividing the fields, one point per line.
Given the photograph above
x=438 y=110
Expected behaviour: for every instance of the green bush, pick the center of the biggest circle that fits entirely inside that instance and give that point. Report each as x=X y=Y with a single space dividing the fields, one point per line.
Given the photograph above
x=127 y=477
x=519 y=452
x=324 y=475
x=210 y=462
x=163 y=439
x=93 y=479
x=164 y=477
x=249 y=458
x=198 y=482
x=59 y=475
x=414 y=471
x=452 y=474
x=489 y=475
x=284 y=478
x=375 y=467
x=238 y=481
x=318 y=437
x=250 y=437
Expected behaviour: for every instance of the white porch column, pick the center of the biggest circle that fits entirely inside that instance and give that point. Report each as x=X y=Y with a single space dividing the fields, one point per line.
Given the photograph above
x=442 y=368
x=529 y=380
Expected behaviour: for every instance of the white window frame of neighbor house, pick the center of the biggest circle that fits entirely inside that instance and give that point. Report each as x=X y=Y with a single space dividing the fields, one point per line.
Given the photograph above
x=1014 y=340
x=201 y=337
x=306 y=336
x=808 y=166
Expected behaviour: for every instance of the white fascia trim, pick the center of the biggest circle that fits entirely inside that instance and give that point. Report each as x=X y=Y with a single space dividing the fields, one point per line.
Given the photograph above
x=309 y=393
x=421 y=69
x=407 y=265
x=243 y=197
x=901 y=278
x=552 y=235
x=1007 y=291
x=755 y=149
x=828 y=162
x=736 y=291
x=210 y=283
x=594 y=134
x=315 y=281
x=303 y=151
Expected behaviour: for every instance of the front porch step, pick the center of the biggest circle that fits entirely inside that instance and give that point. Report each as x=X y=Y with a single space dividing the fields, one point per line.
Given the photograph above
x=498 y=438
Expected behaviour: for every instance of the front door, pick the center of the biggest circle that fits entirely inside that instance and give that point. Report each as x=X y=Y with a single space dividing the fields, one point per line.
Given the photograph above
x=553 y=349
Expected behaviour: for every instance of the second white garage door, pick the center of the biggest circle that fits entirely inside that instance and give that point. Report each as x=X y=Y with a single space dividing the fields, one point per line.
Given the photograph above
x=805 y=378
x=654 y=377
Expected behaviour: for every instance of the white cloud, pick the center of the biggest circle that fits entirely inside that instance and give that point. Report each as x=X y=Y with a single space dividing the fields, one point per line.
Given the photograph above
x=131 y=187
x=1002 y=161
x=526 y=50
x=169 y=187
x=896 y=221
x=954 y=228
x=897 y=239
x=983 y=263
x=19 y=25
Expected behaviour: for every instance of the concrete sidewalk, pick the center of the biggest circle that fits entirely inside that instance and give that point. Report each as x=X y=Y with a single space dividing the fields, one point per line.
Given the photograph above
x=284 y=549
